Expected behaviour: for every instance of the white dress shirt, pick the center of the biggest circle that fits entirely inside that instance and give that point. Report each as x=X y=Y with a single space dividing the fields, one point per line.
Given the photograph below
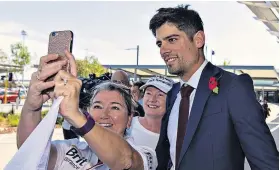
x=173 y=118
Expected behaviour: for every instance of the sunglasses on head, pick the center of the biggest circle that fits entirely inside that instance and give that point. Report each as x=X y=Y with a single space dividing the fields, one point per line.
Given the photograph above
x=121 y=85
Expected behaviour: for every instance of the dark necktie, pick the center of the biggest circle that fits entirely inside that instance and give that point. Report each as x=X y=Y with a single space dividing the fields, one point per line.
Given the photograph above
x=183 y=118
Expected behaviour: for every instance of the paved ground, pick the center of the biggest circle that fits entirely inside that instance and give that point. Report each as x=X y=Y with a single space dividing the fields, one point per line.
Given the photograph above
x=8 y=146
x=8 y=141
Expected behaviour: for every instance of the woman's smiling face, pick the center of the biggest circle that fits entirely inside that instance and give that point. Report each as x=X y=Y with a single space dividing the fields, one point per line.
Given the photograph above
x=109 y=110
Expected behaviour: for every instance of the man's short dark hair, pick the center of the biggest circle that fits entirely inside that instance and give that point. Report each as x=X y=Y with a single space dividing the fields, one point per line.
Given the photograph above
x=184 y=19
x=138 y=83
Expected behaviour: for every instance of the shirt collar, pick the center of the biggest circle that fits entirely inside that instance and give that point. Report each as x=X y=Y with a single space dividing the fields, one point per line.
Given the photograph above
x=193 y=81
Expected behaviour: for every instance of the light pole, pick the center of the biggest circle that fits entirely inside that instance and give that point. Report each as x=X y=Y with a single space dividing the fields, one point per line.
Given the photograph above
x=137 y=60
x=23 y=34
x=212 y=53
x=86 y=53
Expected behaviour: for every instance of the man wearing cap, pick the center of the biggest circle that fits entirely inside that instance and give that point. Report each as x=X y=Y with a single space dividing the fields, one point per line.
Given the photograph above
x=145 y=130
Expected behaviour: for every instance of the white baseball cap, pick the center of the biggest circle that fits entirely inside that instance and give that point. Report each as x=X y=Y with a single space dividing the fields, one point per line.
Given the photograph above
x=161 y=82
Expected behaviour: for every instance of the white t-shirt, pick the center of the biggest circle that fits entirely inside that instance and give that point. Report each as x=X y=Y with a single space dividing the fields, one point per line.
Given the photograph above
x=66 y=125
x=141 y=135
x=74 y=154
x=140 y=102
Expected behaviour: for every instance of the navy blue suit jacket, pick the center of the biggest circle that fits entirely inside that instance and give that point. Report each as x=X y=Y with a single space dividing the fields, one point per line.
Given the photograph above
x=223 y=128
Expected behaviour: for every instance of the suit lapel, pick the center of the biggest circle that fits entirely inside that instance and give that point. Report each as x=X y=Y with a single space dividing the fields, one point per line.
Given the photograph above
x=170 y=102
x=173 y=96
x=171 y=99
x=201 y=96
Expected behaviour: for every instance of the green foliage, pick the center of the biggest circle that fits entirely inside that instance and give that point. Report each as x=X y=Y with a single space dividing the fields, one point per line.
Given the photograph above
x=2 y=114
x=44 y=113
x=226 y=62
x=88 y=66
x=21 y=56
x=2 y=119
x=13 y=120
x=3 y=57
x=59 y=120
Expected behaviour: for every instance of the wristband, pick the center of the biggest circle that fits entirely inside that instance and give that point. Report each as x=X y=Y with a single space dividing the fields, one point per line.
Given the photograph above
x=86 y=128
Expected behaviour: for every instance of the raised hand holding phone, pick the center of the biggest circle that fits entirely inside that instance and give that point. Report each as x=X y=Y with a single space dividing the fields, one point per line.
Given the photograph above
x=59 y=41
x=38 y=83
x=59 y=58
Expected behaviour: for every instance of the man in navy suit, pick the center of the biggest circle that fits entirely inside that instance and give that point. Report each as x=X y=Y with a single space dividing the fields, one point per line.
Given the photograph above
x=224 y=122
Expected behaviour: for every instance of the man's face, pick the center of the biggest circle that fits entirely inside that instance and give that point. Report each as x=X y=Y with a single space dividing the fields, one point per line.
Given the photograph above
x=135 y=92
x=120 y=77
x=178 y=52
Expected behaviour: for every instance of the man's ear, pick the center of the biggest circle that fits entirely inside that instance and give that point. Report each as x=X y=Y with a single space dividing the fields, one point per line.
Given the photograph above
x=199 y=39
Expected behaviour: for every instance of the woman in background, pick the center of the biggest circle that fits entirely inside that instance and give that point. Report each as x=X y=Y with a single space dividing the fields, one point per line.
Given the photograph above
x=145 y=130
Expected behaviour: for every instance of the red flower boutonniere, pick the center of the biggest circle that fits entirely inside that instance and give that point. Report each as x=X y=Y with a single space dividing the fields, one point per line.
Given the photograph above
x=213 y=85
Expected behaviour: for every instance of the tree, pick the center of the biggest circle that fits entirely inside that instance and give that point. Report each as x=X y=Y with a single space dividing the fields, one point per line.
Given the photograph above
x=226 y=62
x=3 y=56
x=88 y=66
x=21 y=56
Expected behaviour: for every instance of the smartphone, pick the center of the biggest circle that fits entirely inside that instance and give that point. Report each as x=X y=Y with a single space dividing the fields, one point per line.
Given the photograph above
x=59 y=41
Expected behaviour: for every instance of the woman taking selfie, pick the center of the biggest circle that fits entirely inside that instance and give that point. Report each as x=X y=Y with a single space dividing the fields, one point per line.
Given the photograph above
x=103 y=126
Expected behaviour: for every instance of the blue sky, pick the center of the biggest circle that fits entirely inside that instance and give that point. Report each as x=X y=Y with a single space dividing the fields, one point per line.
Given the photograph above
x=106 y=29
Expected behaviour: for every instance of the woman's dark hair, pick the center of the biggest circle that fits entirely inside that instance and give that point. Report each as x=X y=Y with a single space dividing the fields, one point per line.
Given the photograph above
x=184 y=19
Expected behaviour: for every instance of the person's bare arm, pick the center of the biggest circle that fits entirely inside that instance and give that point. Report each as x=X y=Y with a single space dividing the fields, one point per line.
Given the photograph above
x=31 y=111
x=52 y=158
x=111 y=148
x=28 y=122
